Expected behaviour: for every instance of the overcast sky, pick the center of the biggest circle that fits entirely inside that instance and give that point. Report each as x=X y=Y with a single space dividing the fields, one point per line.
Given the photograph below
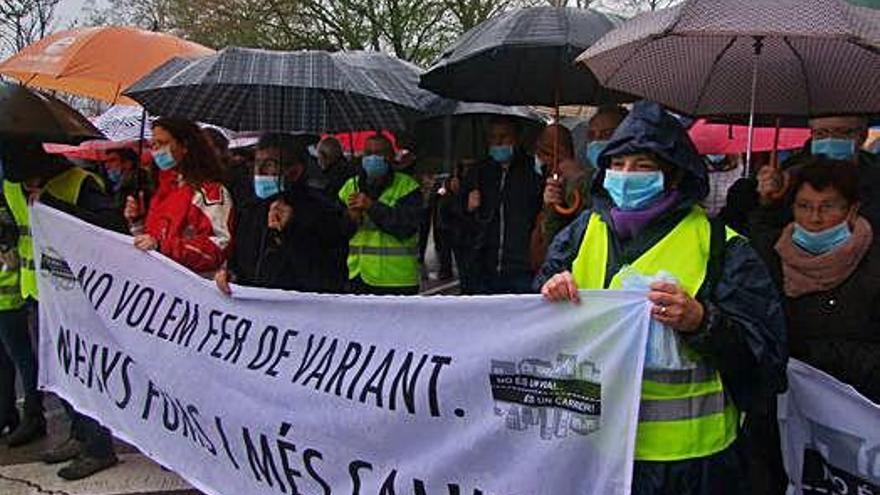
x=69 y=11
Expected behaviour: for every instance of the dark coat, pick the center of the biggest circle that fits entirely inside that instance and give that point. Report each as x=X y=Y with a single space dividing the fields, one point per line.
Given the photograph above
x=309 y=255
x=743 y=334
x=837 y=331
x=510 y=199
x=330 y=181
x=94 y=206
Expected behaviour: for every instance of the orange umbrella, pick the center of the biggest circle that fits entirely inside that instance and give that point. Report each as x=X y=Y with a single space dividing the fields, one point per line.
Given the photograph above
x=96 y=62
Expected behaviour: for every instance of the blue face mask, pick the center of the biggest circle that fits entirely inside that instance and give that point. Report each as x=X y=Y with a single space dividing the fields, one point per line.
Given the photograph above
x=822 y=242
x=834 y=148
x=375 y=166
x=164 y=159
x=633 y=190
x=266 y=186
x=594 y=149
x=502 y=153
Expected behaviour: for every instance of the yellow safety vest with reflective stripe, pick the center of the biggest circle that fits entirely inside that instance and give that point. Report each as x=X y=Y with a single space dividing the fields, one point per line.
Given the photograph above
x=66 y=187
x=10 y=292
x=683 y=414
x=380 y=259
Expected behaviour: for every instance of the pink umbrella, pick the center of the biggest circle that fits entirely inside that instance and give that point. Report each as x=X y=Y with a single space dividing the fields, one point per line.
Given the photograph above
x=95 y=150
x=726 y=139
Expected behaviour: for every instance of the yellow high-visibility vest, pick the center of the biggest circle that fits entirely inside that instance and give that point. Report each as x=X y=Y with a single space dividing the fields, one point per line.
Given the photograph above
x=66 y=187
x=683 y=414
x=379 y=258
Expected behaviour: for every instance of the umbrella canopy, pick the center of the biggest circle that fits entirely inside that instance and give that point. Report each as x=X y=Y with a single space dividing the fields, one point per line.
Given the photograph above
x=97 y=62
x=305 y=91
x=122 y=123
x=807 y=57
x=455 y=130
x=29 y=114
x=524 y=57
x=726 y=139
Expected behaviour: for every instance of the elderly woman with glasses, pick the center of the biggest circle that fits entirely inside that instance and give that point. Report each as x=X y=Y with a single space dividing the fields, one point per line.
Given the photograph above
x=828 y=266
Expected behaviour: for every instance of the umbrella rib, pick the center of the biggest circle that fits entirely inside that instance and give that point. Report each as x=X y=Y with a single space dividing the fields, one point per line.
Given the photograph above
x=704 y=87
x=635 y=52
x=803 y=67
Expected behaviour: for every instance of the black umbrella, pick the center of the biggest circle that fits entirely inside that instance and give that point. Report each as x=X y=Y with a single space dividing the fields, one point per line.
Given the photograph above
x=454 y=130
x=524 y=57
x=29 y=114
x=308 y=91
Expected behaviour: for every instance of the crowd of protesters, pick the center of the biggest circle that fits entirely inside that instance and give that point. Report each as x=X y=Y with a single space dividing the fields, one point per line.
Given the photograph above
x=780 y=261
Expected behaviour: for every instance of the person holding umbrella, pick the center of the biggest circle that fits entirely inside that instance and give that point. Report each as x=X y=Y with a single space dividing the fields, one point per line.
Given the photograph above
x=567 y=176
x=827 y=262
x=505 y=200
x=838 y=138
x=291 y=236
x=191 y=214
x=705 y=282
x=384 y=211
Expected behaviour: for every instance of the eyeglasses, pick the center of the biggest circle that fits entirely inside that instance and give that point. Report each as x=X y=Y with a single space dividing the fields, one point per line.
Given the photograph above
x=836 y=132
x=822 y=208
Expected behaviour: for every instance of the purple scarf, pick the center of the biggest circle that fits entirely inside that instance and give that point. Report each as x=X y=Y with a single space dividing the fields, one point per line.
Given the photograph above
x=627 y=224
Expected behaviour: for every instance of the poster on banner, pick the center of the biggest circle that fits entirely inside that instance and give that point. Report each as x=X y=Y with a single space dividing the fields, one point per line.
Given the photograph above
x=273 y=392
x=830 y=435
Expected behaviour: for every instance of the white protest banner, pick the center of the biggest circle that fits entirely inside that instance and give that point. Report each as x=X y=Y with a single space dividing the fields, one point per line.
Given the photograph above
x=274 y=392
x=830 y=435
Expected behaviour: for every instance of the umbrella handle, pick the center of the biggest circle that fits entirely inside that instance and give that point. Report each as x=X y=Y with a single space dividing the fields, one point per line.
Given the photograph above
x=774 y=155
x=576 y=203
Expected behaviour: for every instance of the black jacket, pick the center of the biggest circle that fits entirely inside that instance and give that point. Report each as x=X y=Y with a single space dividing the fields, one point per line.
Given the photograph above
x=309 y=255
x=94 y=206
x=837 y=331
x=330 y=181
x=510 y=200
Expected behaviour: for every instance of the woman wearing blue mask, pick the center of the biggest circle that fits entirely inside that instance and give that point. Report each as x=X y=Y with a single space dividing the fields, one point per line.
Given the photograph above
x=645 y=219
x=190 y=217
x=828 y=266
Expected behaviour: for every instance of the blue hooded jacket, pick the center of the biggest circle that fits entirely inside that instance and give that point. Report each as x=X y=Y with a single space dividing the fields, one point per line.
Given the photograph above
x=743 y=332
x=651 y=129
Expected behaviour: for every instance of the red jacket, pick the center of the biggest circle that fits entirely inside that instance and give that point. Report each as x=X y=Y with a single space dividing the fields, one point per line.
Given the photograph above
x=193 y=225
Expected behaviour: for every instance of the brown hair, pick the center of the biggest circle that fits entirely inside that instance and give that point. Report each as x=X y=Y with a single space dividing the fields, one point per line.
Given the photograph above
x=200 y=164
x=821 y=173
x=554 y=133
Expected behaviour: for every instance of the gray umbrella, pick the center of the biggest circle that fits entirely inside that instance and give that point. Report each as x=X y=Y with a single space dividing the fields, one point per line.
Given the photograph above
x=454 y=130
x=312 y=91
x=791 y=58
x=808 y=57
x=524 y=57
